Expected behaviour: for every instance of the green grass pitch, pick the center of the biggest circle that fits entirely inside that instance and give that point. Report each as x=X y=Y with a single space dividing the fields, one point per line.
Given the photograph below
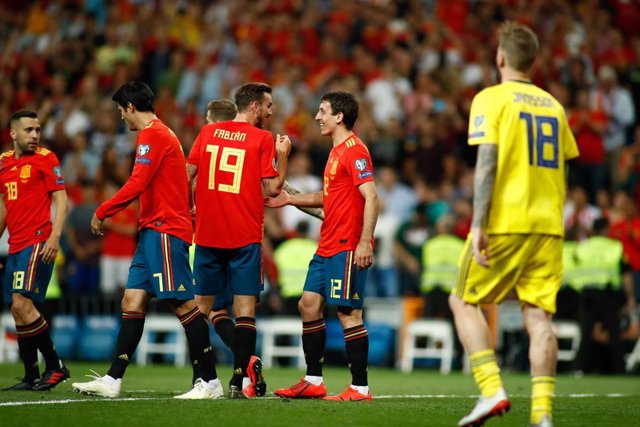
x=423 y=398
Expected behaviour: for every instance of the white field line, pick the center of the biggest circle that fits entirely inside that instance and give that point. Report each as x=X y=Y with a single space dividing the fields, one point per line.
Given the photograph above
x=394 y=396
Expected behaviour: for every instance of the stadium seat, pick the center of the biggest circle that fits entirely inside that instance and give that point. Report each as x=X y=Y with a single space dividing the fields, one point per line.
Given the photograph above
x=8 y=339
x=567 y=331
x=65 y=333
x=440 y=343
x=272 y=328
x=175 y=342
x=98 y=337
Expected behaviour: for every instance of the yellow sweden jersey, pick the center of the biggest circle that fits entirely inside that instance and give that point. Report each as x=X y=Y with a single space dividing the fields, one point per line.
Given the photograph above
x=534 y=141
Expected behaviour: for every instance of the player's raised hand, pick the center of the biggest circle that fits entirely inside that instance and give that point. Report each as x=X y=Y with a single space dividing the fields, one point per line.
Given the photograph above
x=282 y=199
x=283 y=144
x=480 y=246
x=96 y=226
x=364 y=255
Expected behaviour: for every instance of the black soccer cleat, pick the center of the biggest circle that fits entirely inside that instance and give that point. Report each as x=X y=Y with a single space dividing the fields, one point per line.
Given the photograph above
x=52 y=378
x=23 y=385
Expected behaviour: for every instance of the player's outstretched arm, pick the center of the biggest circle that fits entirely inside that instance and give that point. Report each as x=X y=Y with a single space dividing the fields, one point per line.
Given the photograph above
x=315 y=212
x=52 y=245
x=485 y=178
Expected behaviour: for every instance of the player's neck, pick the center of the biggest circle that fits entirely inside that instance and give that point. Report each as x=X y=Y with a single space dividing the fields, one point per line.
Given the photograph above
x=509 y=74
x=144 y=118
x=339 y=135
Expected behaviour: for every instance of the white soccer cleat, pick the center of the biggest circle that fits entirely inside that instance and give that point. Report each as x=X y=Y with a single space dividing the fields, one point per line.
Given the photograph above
x=486 y=408
x=203 y=390
x=100 y=386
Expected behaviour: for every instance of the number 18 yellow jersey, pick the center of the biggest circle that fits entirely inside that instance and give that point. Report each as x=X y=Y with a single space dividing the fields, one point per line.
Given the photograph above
x=530 y=128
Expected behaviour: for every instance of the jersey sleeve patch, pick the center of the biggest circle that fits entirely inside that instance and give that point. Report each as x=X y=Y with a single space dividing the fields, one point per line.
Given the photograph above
x=57 y=172
x=362 y=165
x=477 y=131
x=143 y=150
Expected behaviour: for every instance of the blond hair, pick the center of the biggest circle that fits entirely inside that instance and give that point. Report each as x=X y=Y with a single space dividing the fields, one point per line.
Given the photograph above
x=519 y=45
x=222 y=110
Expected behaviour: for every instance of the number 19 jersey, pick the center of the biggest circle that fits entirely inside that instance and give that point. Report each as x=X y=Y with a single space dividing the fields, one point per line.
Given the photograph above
x=530 y=128
x=232 y=159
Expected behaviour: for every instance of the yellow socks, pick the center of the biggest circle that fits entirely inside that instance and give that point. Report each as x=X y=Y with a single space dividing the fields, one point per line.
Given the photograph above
x=541 y=397
x=486 y=372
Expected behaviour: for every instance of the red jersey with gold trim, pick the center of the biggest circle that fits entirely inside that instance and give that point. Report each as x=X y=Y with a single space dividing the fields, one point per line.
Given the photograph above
x=159 y=178
x=232 y=159
x=26 y=184
x=348 y=167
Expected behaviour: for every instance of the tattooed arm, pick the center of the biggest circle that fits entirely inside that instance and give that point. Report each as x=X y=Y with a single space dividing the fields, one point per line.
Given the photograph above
x=316 y=212
x=485 y=177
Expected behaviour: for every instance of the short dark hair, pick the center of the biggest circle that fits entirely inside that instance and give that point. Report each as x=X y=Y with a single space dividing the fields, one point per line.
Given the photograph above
x=21 y=114
x=249 y=93
x=139 y=94
x=222 y=110
x=345 y=103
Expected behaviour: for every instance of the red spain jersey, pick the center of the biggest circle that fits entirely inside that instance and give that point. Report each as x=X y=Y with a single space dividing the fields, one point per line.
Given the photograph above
x=159 y=178
x=27 y=184
x=348 y=167
x=232 y=159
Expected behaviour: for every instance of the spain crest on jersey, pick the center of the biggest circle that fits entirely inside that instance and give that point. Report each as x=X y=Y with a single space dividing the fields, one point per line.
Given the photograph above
x=25 y=172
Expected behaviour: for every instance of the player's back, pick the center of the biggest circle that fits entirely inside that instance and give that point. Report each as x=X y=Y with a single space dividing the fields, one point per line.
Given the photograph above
x=534 y=141
x=232 y=159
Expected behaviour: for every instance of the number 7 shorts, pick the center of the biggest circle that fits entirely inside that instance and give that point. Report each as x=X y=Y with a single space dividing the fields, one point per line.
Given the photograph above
x=337 y=279
x=160 y=266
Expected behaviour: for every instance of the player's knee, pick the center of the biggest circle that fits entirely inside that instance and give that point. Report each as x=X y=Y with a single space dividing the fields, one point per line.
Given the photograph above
x=308 y=307
x=21 y=307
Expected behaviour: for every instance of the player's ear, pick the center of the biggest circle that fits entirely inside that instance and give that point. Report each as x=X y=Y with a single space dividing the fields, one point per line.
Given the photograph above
x=339 y=118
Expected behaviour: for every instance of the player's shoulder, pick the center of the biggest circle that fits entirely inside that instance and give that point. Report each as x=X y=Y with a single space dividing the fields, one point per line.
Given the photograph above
x=41 y=151
x=353 y=144
x=7 y=154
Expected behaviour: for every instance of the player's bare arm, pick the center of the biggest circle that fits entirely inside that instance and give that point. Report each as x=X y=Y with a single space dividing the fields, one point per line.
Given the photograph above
x=192 y=173
x=315 y=212
x=364 y=250
x=311 y=200
x=52 y=245
x=273 y=186
x=485 y=177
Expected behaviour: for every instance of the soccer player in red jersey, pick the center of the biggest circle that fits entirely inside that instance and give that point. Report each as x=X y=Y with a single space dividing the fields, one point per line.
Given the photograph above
x=235 y=162
x=30 y=180
x=160 y=266
x=337 y=272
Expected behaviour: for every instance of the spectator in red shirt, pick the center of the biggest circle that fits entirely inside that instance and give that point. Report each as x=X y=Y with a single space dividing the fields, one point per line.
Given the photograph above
x=588 y=126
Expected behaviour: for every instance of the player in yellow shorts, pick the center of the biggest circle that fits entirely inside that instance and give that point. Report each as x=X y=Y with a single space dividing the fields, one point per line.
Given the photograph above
x=516 y=234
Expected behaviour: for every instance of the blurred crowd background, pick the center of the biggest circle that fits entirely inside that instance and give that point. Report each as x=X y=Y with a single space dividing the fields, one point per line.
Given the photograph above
x=415 y=66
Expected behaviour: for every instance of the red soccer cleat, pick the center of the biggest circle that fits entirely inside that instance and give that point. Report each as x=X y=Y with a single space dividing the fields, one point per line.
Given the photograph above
x=258 y=386
x=350 y=395
x=303 y=390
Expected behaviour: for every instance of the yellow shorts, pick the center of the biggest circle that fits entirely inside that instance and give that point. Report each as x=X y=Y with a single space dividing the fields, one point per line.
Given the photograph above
x=532 y=263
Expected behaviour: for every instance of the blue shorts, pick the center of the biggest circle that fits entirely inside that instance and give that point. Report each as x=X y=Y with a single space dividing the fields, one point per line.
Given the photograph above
x=228 y=272
x=26 y=274
x=160 y=266
x=337 y=279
